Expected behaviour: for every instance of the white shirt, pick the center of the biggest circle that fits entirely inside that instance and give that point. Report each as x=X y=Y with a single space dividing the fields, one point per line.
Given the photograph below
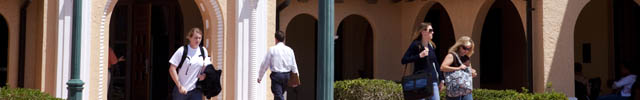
x=192 y=66
x=626 y=83
x=279 y=58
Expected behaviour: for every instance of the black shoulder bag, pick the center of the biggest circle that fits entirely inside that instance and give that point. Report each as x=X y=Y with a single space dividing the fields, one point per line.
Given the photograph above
x=416 y=86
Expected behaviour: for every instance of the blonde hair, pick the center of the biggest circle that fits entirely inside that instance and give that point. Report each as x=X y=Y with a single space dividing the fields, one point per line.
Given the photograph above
x=463 y=41
x=190 y=34
x=418 y=36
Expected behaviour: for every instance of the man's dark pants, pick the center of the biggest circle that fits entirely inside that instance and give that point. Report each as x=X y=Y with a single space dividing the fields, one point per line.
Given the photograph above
x=279 y=84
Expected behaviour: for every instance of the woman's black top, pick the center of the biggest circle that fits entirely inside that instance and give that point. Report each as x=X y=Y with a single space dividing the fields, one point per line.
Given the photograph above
x=428 y=64
x=455 y=62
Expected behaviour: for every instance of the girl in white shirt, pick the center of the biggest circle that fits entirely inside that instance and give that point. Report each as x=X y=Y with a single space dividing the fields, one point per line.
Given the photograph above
x=186 y=77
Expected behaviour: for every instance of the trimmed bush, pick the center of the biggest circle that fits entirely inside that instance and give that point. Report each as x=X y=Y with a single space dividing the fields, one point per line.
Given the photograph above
x=24 y=94
x=486 y=94
x=367 y=89
x=374 y=89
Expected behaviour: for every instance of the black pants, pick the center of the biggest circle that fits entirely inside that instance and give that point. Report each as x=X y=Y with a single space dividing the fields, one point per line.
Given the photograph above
x=279 y=84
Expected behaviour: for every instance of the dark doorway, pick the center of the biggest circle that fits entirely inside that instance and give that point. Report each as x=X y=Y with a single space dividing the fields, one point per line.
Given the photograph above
x=503 y=48
x=4 y=30
x=146 y=33
x=606 y=35
x=626 y=29
x=354 y=49
x=301 y=37
x=443 y=36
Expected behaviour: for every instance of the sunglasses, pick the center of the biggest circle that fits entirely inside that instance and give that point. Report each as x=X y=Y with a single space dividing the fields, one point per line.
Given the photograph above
x=465 y=48
x=430 y=30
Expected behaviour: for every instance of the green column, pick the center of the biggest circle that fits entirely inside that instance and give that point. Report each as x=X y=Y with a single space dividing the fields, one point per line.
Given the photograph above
x=75 y=84
x=325 y=50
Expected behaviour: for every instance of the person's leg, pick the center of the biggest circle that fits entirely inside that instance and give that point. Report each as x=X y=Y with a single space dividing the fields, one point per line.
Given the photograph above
x=454 y=98
x=436 y=92
x=285 y=83
x=276 y=86
x=194 y=95
x=468 y=97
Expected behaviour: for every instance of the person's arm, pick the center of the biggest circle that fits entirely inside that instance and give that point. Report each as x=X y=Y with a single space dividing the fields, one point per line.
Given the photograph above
x=448 y=60
x=175 y=60
x=266 y=63
x=174 y=76
x=295 y=64
x=411 y=55
x=627 y=80
x=112 y=57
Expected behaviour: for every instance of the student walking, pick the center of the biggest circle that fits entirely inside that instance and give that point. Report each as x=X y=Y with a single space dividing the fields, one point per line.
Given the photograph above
x=187 y=67
x=281 y=60
x=458 y=71
x=421 y=52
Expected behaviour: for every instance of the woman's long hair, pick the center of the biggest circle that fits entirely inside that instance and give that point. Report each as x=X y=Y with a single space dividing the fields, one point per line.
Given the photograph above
x=417 y=36
x=463 y=41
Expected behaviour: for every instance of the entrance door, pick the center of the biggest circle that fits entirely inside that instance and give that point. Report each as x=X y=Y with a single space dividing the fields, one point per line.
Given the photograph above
x=139 y=74
x=4 y=47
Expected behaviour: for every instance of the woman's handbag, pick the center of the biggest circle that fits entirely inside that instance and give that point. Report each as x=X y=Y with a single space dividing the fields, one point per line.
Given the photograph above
x=459 y=82
x=294 y=80
x=416 y=86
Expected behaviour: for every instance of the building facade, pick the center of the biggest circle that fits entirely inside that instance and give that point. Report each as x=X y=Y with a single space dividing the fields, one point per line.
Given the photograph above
x=370 y=38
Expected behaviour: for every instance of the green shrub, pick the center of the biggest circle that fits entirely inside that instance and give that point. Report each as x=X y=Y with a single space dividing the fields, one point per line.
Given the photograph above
x=367 y=89
x=24 y=94
x=374 y=89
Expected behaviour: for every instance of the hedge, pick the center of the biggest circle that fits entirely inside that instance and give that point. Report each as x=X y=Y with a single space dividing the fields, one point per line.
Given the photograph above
x=375 y=89
x=367 y=89
x=24 y=94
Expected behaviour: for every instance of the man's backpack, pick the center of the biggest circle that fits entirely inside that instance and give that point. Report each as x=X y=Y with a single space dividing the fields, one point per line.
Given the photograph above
x=185 y=50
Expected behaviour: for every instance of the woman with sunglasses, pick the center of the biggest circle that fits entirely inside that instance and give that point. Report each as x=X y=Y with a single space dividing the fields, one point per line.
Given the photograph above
x=458 y=59
x=421 y=52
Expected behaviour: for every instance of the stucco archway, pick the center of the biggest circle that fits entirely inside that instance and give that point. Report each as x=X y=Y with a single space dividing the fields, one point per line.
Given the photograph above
x=213 y=28
x=504 y=49
x=444 y=34
x=301 y=36
x=604 y=36
x=354 y=44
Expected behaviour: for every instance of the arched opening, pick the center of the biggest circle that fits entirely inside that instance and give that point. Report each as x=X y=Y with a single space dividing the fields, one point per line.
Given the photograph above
x=605 y=35
x=301 y=36
x=4 y=51
x=354 y=49
x=443 y=36
x=503 y=49
x=146 y=33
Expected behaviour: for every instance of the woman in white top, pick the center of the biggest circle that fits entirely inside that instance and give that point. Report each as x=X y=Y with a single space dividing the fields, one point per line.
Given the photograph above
x=186 y=76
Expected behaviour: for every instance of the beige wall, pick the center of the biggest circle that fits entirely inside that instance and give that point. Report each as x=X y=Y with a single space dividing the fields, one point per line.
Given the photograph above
x=558 y=22
x=552 y=50
x=50 y=45
x=33 y=45
x=40 y=45
x=10 y=9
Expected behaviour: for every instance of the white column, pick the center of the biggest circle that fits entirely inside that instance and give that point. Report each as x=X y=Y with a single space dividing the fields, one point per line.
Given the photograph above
x=64 y=47
x=252 y=46
x=85 y=59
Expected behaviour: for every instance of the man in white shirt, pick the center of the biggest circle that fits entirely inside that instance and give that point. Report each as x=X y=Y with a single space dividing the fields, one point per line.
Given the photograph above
x=625 y=83
x=282 y=61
